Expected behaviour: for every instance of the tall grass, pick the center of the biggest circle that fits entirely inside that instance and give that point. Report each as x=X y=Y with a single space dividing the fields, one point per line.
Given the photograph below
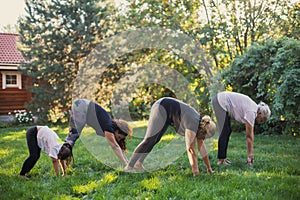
x=275 y=174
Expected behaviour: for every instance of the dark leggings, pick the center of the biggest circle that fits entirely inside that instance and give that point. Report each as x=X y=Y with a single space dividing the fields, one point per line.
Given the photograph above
x=224 y=127
x=34 y=150
x=157 y=126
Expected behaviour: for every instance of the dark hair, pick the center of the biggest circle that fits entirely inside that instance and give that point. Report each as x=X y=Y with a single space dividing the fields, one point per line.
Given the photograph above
x=123 y=128
x=65 y=153
x=122 y=144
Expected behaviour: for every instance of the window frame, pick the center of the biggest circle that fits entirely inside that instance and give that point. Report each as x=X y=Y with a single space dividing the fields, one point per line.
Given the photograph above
x=14 y=73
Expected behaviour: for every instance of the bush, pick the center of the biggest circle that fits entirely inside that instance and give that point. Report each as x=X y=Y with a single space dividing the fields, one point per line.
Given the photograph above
x=270 y=72
x=23 y=117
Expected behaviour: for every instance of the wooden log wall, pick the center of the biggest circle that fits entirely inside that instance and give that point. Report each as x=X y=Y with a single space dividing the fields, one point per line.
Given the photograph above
x=12 y=99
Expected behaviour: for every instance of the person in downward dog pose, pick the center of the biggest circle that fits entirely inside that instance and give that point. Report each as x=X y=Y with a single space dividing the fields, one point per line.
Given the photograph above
x=243 y=109
x=85 y=112
x=43 y=138
x=187 y=122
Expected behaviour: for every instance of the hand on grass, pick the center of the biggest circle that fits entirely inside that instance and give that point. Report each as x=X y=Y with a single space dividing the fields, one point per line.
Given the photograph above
x=128 y=168
x=210 y=171
x=195 y=170
x=250 y=160
x=195 y=173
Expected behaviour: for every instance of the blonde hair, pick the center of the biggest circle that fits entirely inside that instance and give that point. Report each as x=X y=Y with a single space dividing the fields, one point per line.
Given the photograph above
x=207 y=128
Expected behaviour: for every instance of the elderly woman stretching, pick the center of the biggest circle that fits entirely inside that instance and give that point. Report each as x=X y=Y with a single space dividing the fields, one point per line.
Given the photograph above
x=243 y=109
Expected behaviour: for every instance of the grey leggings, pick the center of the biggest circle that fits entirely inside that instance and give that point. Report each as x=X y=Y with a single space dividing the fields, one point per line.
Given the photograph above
x=224 y=127
x=157 y=126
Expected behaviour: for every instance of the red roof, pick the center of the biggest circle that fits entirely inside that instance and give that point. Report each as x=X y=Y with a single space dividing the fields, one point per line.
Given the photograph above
x=9 y=54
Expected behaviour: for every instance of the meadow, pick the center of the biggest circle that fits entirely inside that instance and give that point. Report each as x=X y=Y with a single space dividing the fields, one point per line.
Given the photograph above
x=275 y=174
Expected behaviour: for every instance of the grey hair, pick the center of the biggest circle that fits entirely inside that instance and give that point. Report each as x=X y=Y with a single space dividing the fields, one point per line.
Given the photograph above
x=264 y=109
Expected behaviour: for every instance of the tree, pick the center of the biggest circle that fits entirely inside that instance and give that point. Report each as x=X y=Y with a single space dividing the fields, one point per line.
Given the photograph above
x=232 y=26
x=9 y=28
x=178 y=17
x=226 y=29
x=291 y=25
x=56 y=36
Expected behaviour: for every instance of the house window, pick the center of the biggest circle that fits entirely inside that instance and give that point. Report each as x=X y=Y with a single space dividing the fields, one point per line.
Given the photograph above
x=11 y=79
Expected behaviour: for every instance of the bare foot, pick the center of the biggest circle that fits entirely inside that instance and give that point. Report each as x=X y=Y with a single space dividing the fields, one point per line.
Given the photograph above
x=224 y=162
x=139 y=166
x=24 y=177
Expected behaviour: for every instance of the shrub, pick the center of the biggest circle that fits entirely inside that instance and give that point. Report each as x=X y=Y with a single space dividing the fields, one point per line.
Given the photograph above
x=270 y=72
x=23 y=117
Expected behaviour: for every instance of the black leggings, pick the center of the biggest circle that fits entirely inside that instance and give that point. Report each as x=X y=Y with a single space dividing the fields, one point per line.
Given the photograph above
x=224 y=127
x=34 y=150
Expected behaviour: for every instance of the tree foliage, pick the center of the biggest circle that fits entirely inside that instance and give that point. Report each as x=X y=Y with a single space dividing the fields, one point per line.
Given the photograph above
x=56 y=37
x=178 y=16
x=232 y=26
x=59 y=35
x=269 y=72
x=290 y=27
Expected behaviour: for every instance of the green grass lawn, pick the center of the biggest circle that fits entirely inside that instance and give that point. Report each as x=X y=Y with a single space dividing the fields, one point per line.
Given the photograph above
x=275 y=174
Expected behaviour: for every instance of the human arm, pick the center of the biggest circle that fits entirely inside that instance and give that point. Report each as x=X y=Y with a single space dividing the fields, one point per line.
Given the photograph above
x=72 y=136
x=115 y=147
x=190 y=147
x=55 y=164
x=249 y=142
x=204 y=155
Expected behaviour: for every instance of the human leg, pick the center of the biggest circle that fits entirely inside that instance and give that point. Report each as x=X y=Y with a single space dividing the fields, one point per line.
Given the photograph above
x=224 y=127
x=34 y=151
x=73 y=133
x=77 y=120
x=224 y=138
x=157 y=126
